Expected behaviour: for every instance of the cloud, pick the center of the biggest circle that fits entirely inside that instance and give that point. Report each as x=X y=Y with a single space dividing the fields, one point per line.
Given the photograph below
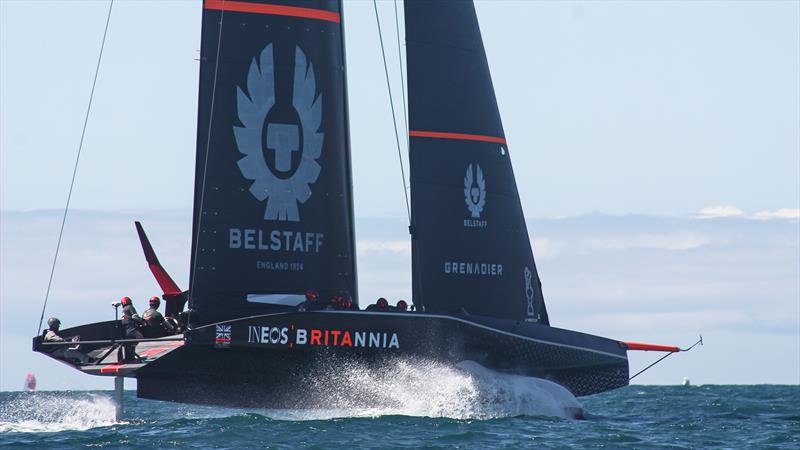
x=783 y=213
x=679 y=322
x=712 y=212
x=671 y=241
x=365 y=246
x=546 y=248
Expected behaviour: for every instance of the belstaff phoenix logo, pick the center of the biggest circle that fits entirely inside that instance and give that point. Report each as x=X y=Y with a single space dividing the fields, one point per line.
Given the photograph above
x=286 y=181
x=475 y=196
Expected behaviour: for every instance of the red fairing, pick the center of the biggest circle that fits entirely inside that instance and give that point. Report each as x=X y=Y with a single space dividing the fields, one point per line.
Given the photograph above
x=164 y=280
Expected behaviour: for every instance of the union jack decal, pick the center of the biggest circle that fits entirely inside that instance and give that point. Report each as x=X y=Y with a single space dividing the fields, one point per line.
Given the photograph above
x=223 y=338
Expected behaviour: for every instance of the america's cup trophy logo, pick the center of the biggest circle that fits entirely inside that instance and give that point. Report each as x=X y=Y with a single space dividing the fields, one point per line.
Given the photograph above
x=280 y=158
x=531 y=313
x=475 y=191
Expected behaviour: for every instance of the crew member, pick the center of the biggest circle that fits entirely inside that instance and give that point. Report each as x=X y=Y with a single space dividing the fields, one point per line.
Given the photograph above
x=347 y=303
x=312 y=302
x=156 y=326
x=402 y=306
x=341 y=302
x=131 y=322
x=62 y=351
x=381 y=305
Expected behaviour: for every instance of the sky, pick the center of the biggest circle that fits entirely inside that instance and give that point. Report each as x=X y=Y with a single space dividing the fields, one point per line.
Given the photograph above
x=650 y=140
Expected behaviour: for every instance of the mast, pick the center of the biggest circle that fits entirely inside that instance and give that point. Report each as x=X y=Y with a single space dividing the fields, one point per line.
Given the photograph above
x=472 y=253
x=349 y=159
x=273 y=194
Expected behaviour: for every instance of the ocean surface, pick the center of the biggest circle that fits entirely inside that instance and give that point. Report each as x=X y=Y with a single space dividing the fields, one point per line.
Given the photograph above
x=426 y=408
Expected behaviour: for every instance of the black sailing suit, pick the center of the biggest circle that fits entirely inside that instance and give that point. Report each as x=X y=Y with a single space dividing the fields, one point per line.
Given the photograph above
x=156 y=325
x=131 y=322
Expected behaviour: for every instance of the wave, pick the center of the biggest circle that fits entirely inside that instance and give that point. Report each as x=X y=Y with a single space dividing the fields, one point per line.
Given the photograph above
x=53 y=412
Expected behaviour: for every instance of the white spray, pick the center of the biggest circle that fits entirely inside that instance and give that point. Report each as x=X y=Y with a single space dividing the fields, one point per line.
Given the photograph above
x=51 y=412
x=431 y=389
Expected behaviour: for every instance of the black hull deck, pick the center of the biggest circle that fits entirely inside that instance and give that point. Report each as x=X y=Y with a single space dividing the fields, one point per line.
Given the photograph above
x=286 y=360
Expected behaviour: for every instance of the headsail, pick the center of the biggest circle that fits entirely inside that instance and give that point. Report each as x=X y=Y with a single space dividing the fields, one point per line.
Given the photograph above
x=273 y=202
x=471 y=247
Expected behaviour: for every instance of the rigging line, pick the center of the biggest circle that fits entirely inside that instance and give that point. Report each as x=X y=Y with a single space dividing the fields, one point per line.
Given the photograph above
x=415 y=252
x=394 y=117
x=651 y=365
x=75 y=168
x=665 y=357
x=402 y=83
x=205 y=163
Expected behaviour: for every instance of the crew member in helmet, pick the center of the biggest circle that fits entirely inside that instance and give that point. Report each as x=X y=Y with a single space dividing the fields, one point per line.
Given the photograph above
x=339 y=302
x=131 y=323
x=62 y=351
x=402 y=306
x=381 y=305
x=312 y=302
x=347 y=303
x=155 y=325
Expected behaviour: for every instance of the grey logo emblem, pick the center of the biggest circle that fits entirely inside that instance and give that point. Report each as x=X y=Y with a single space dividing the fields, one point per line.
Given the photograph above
x=281 y=188
x=531 y=313
x=475 y=191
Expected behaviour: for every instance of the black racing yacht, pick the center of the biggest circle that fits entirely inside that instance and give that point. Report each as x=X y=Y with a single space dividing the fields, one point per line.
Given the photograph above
x=273 y=218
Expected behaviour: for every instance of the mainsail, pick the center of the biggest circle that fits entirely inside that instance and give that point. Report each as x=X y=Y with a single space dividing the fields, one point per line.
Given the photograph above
x=273 y=196
x=471 y=250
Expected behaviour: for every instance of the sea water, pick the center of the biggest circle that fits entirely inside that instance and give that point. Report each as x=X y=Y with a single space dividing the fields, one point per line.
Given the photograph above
x=419 y=405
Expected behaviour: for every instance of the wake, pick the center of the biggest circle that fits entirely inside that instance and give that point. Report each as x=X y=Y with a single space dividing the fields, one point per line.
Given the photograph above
x=53 y=412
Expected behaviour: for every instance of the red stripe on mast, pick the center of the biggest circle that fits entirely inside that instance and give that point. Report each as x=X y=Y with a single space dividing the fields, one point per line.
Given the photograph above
x=459 y=136
x=275 y=10
x=651 y=347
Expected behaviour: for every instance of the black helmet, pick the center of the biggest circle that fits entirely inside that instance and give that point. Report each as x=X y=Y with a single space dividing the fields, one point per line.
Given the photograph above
x=53 y=323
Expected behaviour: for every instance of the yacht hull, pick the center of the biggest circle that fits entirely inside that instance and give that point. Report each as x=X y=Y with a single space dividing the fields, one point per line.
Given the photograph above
x=298 y=359
x=293 y=360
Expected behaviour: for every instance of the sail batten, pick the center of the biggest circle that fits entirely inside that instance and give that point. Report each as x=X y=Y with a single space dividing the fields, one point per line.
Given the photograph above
x=272 y=9
x=460 y=136
x=471 y=250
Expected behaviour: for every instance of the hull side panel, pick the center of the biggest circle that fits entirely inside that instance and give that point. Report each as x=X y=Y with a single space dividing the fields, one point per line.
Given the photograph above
x=275 y=361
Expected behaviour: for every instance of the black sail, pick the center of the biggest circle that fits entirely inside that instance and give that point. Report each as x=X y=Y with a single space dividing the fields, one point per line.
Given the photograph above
x=471 y=250
x=273 y=196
